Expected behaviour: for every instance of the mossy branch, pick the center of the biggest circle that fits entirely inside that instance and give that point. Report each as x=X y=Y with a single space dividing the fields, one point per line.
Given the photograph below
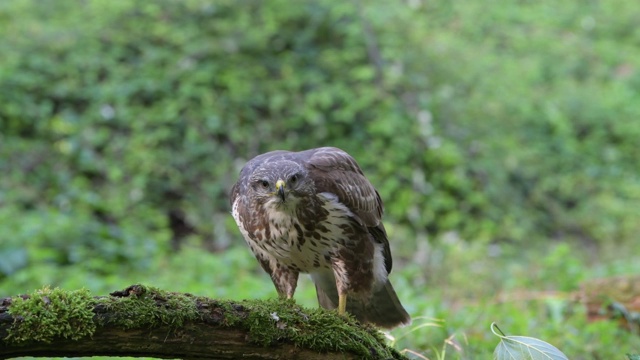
x=147 y=322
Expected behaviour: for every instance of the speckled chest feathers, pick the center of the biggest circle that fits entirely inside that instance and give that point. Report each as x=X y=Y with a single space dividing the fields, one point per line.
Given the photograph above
x=303 y=235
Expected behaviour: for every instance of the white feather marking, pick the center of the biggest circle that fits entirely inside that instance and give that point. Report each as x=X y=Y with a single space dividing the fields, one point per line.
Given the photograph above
x=236 y=217
x=379 y=268
x=333 y=204
x=339 y=214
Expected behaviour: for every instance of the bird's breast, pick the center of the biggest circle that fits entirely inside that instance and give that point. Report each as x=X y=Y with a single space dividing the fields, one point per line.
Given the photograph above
x=296 y=242
x=305 y=238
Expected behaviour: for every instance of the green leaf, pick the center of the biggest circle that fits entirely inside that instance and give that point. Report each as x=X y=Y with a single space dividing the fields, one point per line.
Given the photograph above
x=524 y=348
x=633 y=357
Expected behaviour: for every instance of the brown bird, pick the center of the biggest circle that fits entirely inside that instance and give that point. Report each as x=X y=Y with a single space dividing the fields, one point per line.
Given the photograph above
x=315 y=212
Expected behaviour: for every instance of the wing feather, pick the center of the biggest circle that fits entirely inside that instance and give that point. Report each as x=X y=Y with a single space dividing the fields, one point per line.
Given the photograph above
x=337 y=172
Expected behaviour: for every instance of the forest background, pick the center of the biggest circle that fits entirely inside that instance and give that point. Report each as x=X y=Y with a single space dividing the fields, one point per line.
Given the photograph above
x=503 y=138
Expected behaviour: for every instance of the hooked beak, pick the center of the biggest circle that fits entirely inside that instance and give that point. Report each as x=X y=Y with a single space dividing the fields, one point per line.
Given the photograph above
x=280 y=189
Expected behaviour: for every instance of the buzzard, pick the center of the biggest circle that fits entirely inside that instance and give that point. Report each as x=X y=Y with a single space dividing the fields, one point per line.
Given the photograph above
x=315 y=212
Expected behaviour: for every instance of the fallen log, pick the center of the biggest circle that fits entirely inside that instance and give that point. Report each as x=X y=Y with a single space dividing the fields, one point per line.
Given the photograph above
x=141 y=321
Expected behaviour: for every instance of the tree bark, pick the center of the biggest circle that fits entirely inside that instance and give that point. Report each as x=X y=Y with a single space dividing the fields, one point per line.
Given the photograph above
x=208 y=335
x=194 y=341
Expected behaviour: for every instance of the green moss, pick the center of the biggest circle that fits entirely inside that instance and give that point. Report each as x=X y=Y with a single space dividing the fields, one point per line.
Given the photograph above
x=272 y=321
x=49 y=313
x=148 y=307
x=268 y=322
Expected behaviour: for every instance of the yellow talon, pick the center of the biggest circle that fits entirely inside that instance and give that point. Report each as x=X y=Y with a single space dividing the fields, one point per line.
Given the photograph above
x=342 y=304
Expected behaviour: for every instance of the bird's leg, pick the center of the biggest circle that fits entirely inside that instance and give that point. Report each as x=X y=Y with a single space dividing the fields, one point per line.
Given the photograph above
x=342 y=304
x=285 y=281
x=342 y=284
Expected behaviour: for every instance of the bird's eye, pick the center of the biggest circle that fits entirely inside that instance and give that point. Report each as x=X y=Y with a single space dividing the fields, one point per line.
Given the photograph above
x=293 y=179
x=264 y=183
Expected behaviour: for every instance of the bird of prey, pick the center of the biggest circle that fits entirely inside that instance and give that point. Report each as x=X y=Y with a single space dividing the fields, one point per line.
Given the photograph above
x=315 y=212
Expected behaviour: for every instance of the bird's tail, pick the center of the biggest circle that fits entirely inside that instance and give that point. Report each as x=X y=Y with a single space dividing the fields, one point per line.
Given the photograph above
x=382 y=309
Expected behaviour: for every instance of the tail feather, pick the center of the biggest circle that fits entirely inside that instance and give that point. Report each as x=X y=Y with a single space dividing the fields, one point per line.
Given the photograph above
x=382 y=309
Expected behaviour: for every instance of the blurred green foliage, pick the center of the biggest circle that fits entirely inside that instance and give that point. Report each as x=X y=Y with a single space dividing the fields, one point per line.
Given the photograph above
x=497 y=125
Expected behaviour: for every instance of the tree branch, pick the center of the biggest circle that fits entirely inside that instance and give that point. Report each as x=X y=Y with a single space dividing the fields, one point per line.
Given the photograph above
x=146 y=322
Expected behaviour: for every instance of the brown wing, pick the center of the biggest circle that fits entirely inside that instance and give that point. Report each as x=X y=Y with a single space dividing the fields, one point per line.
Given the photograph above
x=335 y=171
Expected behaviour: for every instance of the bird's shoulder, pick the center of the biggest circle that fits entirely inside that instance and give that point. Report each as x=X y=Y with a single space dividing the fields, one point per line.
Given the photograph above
x=335 y=171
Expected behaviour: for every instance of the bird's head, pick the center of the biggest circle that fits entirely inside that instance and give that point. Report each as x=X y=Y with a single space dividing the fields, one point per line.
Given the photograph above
x=280 y=183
